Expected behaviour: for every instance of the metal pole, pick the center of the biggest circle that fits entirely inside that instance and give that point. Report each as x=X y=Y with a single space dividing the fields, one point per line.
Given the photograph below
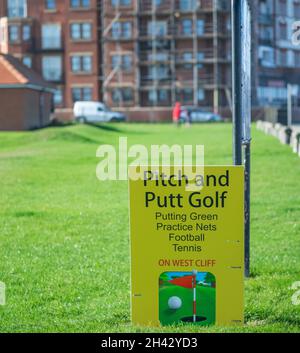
x=195 y=61
x=194 y=274
x=241 y=82
x=216 y=57
x=247 y=154
x=289 y=105
x=237 y=80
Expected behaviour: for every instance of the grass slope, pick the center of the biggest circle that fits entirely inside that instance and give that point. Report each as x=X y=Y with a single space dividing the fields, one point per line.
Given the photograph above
x=64 y=235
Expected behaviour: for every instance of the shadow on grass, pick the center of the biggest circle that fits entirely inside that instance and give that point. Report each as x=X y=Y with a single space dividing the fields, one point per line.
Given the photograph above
x=27 y=214
x=112 y=127
x=253 y=274
x=285 y=319
x=263 y=319
x=69 y=136
x=106 y=127
x=119 y=317
x=56 y=124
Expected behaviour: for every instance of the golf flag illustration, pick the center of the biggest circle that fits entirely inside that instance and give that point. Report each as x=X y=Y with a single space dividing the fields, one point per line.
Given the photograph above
x=189 y=282
x=195 y=296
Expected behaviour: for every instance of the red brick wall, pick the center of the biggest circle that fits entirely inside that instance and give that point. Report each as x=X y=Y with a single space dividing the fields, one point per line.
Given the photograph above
x=27 y=114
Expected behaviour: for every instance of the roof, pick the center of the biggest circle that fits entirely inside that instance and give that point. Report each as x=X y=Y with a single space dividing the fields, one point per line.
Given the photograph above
x=13 y=73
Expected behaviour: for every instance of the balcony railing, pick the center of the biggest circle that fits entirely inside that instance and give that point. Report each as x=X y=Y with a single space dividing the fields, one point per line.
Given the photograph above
x=182 y=81
x=156 y=33
x=180 y=57
x=180 y=31
x=163 y=6
x=110 y=7
x=183 y=5
x=158 y=57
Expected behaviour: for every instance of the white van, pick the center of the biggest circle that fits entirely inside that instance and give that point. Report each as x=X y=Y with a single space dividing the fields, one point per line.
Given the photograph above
x=95 y=112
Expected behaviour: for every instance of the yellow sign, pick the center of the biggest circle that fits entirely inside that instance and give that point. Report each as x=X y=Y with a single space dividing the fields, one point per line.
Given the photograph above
x=187 y=245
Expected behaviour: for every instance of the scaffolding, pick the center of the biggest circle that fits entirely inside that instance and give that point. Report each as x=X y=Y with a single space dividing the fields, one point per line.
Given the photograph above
x=179 y=48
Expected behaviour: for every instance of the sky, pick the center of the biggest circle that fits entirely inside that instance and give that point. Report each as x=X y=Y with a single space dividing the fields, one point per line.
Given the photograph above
x=200 y=275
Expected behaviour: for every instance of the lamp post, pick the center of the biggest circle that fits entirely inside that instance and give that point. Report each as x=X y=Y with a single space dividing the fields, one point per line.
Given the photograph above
x=241 y=98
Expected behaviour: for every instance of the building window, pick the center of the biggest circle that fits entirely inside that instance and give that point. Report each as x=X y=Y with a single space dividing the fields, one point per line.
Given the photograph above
x=122 y=95
x=163 y=95
x=187 y=57
x=272 y=95
x=16 y=8
x=82 y=94
x=153 y=96
x=81 y=63
x=297 y=59
x=77 y=4
x=266 y=33
x=81 y=31
x=282 y=8
x=123 y=62
x=52 y=68
x=121 y=30
x=266 y=56
x=26 y=32
x=200 y=58
x=116 y=3
x=283 y=31
x=158 y=96
x=157 y=28
x=116 y=61
x=27 y=60
x=127 y=62
x=51 y=36
x=157 y=56
x=185 y=95
x=58 y=97
x=50 y=4
x=158 y=72
x=201 y=94
x=187 y=27
x=297 y=9
x=187 y=5
x=283 y=58
x=13 y=33
x=200 y=27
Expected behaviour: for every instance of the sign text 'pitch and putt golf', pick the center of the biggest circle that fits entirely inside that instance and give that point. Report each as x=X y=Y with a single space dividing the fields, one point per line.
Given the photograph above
x=187 y=245
x=241 y=93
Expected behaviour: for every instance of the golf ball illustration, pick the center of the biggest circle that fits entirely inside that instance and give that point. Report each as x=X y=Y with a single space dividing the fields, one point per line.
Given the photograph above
x=174 y=303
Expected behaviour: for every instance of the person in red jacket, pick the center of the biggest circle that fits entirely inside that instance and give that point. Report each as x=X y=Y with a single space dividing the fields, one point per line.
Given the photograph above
x=176 y=113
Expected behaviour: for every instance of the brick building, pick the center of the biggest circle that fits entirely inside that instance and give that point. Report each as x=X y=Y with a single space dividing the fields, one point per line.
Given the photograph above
x=160 y=52
x=25 y=97
x=58 y=39
x=277 y=57
x=141 y=56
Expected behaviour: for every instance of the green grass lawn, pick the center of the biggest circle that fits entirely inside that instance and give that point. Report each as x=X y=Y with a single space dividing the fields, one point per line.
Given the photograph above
x=64 y=235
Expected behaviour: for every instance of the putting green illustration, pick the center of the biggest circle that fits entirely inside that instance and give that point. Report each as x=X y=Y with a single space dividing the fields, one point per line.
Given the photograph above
x=187 y=297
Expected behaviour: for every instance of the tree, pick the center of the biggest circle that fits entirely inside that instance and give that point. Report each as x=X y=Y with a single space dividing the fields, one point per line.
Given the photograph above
x=210 y=279
x=163 y=278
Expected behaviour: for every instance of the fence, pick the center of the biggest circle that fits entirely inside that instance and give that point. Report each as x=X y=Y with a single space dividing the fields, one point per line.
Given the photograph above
x=286 y=135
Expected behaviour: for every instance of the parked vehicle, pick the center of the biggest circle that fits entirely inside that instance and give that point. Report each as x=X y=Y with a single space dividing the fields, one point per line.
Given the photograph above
x=94 y=112
x=197 y=115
